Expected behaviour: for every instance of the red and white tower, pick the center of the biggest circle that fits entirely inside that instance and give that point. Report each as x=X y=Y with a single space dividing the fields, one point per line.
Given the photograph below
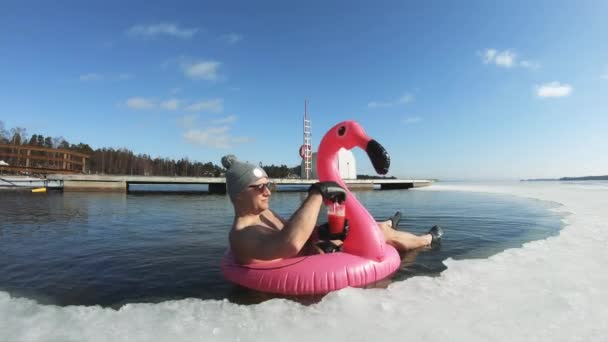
x=306 y=148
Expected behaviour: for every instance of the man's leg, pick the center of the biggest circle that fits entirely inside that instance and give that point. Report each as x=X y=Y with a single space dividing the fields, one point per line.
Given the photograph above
x=403 y=241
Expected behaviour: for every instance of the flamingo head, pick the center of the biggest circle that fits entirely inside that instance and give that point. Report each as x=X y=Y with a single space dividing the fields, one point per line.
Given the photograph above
x=349 y=134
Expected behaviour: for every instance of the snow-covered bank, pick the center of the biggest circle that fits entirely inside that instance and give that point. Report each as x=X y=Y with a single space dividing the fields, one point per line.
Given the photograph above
x=554 y=289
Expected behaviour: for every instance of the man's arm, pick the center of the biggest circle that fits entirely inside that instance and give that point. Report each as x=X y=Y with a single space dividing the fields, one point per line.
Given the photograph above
x=257 y=242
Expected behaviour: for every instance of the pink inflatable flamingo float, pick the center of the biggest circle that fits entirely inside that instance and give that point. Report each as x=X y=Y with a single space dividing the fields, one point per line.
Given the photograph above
x=365 y=256
x=363 y=240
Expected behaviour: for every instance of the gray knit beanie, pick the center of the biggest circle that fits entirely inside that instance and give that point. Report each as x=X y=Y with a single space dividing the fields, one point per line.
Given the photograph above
x=240 y=175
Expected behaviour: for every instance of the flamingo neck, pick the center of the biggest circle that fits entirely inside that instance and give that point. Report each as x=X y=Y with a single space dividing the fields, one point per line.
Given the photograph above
x=328 y=170
x=327 y=166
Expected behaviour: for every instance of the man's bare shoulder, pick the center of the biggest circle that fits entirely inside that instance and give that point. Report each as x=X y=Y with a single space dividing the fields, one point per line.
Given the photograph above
x=251 y=243
x=267 y=219
x=256 y=238
x=247 y=230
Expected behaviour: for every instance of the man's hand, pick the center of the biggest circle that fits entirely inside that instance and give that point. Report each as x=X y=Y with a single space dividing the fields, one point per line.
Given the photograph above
x=331 y=191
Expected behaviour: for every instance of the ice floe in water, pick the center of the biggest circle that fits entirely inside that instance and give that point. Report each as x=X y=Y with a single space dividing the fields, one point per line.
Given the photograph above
x=549 y=290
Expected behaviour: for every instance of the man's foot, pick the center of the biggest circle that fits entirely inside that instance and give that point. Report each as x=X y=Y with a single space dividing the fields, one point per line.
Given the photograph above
x=436 y=233
x=395 y=219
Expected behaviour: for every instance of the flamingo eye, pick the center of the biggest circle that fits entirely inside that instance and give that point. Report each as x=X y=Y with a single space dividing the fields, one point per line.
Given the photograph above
x=341 y=131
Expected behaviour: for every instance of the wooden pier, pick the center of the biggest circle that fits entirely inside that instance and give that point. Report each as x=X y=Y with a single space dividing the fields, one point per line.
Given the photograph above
x=41 y=160
x=216 y=184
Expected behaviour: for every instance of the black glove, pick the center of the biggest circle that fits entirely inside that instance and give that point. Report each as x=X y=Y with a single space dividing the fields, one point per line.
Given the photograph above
x=331 y=191
x=324 y=234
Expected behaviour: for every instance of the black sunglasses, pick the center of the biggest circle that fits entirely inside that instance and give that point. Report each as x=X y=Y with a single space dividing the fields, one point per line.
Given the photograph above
x=260 y=187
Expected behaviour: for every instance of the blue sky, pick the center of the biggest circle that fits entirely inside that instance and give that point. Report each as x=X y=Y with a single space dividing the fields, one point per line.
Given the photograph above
x=453 y=90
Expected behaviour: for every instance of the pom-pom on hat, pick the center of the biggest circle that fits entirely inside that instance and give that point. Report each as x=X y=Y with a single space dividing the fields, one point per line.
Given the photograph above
x=240 y=175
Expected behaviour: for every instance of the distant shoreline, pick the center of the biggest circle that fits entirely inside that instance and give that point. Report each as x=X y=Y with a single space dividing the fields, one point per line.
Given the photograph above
x=585 y=178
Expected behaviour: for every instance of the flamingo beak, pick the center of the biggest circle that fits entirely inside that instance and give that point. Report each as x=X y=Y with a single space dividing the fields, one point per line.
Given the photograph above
x=378 y=156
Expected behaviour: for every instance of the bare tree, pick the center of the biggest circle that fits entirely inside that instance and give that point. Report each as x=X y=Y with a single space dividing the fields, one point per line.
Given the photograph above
x=19 y=135
x=4 y=137
x=57 y=141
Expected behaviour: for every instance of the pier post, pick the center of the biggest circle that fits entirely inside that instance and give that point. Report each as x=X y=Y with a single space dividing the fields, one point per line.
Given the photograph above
x=395 y=186
x=217 y=188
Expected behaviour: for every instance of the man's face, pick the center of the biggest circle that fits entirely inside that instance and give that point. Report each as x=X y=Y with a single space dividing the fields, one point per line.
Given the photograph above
x=256 y=195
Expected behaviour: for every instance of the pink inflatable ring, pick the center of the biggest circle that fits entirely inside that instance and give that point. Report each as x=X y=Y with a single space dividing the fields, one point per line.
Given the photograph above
x=365 y=257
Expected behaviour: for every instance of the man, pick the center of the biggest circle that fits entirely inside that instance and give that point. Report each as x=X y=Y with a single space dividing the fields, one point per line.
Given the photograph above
x=260 y=234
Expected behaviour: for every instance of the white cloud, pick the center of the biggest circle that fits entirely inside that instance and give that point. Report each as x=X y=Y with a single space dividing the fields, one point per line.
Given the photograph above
x=488 y=55
x=188 y=121
x=171 y=104
x=225 y=120
x=91 y=77
x=140 y=103
x=553 y=89
x=506 y=59
x=124 y=76
x=411 y=120
x=501 y=58
x=216 y=137
x=213 y=106
x=405 y=98
x=231 y=38
x=151 y=31
x=529 y=64
x=204 y=70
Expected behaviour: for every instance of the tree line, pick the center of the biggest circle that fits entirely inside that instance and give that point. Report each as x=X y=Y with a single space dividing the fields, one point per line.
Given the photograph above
x=122 y=161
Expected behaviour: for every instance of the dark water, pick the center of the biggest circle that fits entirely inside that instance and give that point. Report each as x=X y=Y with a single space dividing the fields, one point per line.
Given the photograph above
x=110 y=249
